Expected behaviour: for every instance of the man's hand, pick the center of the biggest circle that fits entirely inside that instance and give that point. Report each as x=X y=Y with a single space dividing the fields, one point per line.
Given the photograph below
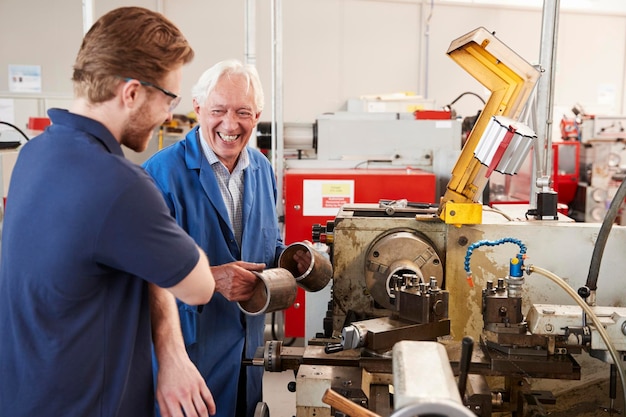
x=303 y=259
x=181 y=388
x=235 y=280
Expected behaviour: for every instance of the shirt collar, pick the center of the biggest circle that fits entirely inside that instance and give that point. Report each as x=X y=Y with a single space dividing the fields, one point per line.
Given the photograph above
x=87 y=125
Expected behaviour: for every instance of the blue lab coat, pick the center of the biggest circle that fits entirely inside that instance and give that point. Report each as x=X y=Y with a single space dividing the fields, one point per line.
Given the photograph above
x=217 y=333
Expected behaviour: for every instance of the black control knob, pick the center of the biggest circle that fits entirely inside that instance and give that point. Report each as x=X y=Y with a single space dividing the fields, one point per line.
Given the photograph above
x=316 y=232
x=584 y=292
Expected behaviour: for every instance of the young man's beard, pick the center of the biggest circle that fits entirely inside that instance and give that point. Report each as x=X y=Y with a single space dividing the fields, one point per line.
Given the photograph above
x=139 y=131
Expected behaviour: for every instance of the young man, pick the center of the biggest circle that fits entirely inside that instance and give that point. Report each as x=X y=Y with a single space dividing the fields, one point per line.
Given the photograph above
x=223 y=193
x=86 y=230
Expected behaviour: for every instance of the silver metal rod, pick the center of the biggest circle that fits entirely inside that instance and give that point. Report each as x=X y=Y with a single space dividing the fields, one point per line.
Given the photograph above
x=545 y=97
x=250 y=25
x=277 y=103
x=88 y=7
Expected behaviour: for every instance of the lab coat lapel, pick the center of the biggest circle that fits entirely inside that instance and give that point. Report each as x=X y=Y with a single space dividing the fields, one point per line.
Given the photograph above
x=195 y=160
x=249 y=187
x=212 y=190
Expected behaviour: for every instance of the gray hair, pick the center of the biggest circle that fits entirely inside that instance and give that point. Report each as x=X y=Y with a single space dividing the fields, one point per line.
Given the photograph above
x=207 y=81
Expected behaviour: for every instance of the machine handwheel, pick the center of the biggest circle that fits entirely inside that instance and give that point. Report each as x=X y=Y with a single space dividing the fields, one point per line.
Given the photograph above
x=261 y=410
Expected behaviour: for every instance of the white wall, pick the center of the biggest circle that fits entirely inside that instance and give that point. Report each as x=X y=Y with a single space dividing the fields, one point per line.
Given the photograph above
x=339 y=49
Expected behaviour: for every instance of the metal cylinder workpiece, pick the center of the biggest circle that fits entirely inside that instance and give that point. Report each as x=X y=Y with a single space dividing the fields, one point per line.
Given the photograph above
x=424 y=383
x=276 y=290
x=317 y=275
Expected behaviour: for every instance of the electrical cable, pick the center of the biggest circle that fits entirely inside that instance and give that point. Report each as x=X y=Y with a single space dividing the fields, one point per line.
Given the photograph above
x=369 y=161
x=16 y=128
x=596 y=321
x=603 y=235
x=500 y=212
x=463 y=94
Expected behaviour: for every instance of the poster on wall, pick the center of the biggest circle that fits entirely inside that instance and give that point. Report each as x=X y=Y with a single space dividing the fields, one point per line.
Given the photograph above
x=7 y=111
x=25 y=78
x=325 y=197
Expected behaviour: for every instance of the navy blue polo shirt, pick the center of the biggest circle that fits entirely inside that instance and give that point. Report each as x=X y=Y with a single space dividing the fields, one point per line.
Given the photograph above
x=84 y=231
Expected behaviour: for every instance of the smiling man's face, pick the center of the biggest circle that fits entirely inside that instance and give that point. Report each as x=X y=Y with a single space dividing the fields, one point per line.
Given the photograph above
x=228 y=118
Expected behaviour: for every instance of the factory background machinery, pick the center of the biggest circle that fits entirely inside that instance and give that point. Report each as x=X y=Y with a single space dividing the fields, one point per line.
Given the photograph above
x=388 y=285
x=414 y=275
x=602 y=165
x=358 y=157
x=512 y=295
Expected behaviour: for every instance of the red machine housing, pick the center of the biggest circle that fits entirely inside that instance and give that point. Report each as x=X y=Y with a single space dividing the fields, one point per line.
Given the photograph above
x=566 y=169
x=315 y=196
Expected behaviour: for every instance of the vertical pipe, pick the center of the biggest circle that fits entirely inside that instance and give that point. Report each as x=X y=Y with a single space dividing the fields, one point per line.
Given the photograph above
x=545 y=97
x=420 y=45
x=250 y=46
x=250 y=37
x=622 y=105
x=87 y=15
x=277 y=104
x=277 y=130
x=427 y=48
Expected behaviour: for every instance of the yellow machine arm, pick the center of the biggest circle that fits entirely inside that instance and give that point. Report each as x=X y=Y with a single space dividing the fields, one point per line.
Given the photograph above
x=511 y=81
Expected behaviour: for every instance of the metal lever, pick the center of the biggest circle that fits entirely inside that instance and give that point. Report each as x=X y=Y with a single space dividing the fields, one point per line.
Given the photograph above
x=467 y=346
x=612 y=392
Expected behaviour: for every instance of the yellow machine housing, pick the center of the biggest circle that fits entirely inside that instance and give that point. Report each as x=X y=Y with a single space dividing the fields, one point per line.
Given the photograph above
x=511 y=80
